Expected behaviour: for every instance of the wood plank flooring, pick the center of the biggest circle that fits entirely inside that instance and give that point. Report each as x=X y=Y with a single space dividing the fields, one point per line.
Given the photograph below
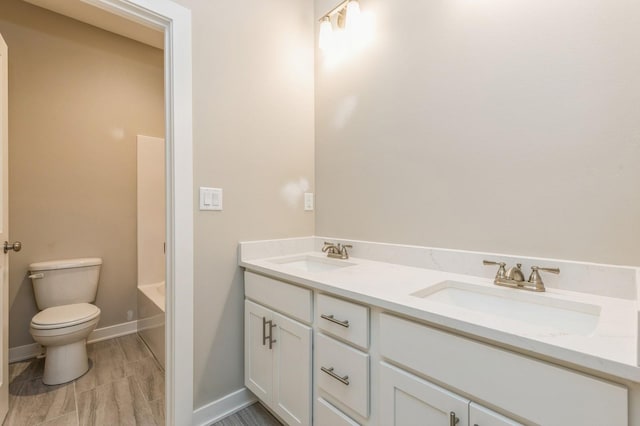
x=124 y=386
x=253 y=415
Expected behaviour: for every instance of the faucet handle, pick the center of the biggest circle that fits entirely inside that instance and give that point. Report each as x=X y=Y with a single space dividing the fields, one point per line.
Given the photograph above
x=552 y=270
x=536 y=280
x=343 y=250
x=501 y=271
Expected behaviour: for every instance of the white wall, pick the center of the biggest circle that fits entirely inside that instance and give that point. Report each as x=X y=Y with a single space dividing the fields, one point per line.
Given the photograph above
x=253 y=137
x=494 y=125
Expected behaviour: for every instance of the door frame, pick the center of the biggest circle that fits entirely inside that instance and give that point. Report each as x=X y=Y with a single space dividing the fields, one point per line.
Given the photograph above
x=175 y=21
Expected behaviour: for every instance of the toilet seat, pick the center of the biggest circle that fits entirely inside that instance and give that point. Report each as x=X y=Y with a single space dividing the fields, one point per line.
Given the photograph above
x=64 y=316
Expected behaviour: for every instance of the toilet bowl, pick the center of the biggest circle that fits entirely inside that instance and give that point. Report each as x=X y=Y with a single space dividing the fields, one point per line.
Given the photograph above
x=63 y=290
x=63 y=330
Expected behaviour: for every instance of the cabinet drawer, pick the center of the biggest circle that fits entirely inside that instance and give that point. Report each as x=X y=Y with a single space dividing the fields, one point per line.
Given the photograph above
x=348 y=382
x=345 y=320
x=535 y=390
x=328 y=415
x=289 y=299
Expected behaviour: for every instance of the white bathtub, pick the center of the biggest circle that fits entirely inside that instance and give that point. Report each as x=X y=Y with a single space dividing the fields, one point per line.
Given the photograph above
x=151 y=317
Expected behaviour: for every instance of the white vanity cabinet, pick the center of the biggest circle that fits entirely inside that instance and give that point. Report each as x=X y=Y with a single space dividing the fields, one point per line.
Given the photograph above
x=278 y=349
x=364 y=365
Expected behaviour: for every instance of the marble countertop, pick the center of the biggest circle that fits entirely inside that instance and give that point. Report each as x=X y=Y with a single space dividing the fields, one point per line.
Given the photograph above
x=610 y=349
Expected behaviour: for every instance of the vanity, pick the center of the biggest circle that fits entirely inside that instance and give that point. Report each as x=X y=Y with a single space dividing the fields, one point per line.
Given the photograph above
x=426 y=338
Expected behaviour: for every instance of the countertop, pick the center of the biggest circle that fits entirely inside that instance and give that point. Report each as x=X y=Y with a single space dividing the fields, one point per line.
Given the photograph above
x=610 y=349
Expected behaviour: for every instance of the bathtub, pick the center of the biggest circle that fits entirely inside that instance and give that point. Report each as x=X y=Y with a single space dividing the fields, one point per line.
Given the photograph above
x=151 y=317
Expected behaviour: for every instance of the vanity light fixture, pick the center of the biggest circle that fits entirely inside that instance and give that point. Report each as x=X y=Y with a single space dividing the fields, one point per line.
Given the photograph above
x=326 y=33
x=346 y=15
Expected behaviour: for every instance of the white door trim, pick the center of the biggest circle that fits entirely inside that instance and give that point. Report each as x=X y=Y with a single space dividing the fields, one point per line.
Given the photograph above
x=175 y=20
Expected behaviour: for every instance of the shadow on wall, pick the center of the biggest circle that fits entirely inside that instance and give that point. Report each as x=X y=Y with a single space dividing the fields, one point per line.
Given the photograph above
x=22 y=304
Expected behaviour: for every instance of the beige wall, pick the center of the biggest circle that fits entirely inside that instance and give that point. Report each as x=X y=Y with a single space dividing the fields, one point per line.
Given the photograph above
x=78 y=96
x=507 y=126
x=253 y=137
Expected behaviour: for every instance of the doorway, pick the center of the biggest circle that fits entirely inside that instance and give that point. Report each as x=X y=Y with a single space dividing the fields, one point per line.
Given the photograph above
x=175 y=21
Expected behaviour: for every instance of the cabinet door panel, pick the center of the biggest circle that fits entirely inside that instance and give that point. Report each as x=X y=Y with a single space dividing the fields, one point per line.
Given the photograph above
x=258 y=358
x=292 y=369
x=482 y=416
x=407 y=400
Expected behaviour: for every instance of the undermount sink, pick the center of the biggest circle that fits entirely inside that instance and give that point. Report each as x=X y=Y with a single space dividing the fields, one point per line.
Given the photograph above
x=535 y=310
x=312 y=263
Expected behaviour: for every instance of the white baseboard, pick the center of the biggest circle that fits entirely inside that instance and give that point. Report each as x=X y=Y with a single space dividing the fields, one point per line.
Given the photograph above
x=20 y=353
x=112 y=331
x=223 y=407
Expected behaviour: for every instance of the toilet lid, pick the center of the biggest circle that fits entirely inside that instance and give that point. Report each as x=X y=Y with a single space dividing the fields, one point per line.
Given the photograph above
x=65 y=316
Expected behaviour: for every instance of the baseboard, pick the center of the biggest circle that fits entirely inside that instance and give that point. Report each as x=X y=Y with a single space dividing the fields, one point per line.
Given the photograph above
x=20 y=353
x=223 y=407
x=112 y=331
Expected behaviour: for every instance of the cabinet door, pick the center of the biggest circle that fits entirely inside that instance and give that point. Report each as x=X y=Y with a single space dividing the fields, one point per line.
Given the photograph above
x=292 y=371
x=482 y=416
x=258 y=358
x=407 y=400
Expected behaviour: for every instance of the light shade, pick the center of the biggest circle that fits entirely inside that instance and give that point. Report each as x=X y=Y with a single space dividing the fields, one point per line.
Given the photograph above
x=325 y=38
x=353 y=14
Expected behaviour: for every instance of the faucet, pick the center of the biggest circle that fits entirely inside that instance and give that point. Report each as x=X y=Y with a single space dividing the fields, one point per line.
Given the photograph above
x=514 y=278
x=336 y=251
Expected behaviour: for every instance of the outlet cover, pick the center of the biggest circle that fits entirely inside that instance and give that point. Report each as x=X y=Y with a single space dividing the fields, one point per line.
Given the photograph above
x=308 y=201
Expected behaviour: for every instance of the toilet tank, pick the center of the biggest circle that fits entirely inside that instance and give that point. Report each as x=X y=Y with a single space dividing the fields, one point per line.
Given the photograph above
x=63 y=282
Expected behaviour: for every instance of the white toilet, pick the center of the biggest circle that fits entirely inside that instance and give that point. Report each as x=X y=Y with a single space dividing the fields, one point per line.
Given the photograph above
x=64 y=291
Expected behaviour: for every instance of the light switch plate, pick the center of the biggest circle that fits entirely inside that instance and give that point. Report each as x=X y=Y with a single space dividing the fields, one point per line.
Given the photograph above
x=210 y=198
x=308 y=201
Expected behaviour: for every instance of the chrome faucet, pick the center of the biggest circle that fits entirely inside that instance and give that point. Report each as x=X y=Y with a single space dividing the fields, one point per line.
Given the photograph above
x=336 y=251
x=514 y=278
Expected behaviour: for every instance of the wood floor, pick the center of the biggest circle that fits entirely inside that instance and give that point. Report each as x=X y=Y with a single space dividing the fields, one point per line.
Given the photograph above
x=124 y=386
x=254 y=415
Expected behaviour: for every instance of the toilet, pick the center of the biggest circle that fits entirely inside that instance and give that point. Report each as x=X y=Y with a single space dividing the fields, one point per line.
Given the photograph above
x=64 y=291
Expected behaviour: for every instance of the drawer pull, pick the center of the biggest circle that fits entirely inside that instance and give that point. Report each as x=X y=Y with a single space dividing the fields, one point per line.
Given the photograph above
x=344 y=323
x=453 y=420
x=329 y=371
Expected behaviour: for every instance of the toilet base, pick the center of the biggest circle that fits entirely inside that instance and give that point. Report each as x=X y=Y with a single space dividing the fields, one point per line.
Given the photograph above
x=65 y=363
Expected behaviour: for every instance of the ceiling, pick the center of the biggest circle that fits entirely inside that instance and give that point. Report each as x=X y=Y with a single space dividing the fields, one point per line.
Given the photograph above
x=84 y=12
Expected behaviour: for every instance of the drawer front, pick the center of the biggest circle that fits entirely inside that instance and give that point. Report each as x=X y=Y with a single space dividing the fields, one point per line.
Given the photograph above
x=342 y=319
x=289 y=299
x=328 y=415
x=503 y=378
x=343 y=373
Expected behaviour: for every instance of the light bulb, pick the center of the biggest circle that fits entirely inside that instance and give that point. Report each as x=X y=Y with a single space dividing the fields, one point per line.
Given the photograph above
x=353 y=15
x=326 y=34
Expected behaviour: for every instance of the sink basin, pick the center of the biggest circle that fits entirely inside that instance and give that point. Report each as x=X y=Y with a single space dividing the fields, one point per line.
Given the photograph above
x=312 y=263
x=535 y=310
